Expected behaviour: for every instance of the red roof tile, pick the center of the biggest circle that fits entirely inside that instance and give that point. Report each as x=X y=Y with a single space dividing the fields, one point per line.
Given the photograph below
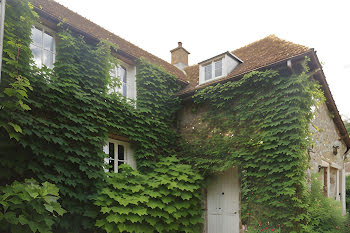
x=256 y=55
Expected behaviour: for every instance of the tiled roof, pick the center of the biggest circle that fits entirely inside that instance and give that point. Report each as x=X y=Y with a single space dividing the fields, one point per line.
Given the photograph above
x=259 y=54
x=78 y=22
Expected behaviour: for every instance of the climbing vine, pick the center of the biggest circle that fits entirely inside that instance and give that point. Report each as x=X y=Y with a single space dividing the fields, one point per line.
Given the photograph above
x=260 y=124
x=168 y=199
x=72 y=113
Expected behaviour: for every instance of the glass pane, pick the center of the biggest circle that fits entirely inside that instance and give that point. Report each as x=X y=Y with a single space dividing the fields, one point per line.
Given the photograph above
x=111 y=157
x=207 y=71
x=48 y=59
x=37 y=53
x=121 y=152
x=37 y=37
x=111 y=150
x=122 y=74
x=112 y=72
x=124 y=89
x=218 y=68
x=48 y=42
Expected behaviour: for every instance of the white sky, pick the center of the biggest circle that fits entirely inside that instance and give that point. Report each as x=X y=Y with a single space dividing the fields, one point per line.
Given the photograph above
x=207 y=28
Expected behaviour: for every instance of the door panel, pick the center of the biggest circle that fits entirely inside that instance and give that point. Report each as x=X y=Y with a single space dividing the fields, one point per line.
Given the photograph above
x=223 y=203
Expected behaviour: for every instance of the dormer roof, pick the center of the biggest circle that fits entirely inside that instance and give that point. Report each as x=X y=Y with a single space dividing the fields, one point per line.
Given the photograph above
x=259 y=54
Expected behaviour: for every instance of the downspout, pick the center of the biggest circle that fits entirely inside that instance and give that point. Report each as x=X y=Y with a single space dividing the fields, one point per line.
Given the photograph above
x=2 y=22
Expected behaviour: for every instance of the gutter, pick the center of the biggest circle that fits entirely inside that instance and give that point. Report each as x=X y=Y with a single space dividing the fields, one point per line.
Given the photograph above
x=187 y=95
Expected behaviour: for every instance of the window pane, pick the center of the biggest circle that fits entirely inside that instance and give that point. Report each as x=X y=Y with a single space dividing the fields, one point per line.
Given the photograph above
x=111 y=150
x=48 y=42
x=207 y=70
x=122 y=74
x=37 y=53
x=218 y=68
x=121 y=152
x=111 y=157
x=37 y=37
x=124 y=89
x=48 y=59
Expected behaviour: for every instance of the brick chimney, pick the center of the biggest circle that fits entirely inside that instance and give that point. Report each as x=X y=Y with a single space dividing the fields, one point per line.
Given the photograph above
x=179 y=57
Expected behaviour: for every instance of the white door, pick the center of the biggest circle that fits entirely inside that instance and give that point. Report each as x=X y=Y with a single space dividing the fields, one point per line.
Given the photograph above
x=223 y=203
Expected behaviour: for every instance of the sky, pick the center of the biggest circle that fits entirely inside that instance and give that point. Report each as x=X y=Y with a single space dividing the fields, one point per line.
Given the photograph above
x=208 y=28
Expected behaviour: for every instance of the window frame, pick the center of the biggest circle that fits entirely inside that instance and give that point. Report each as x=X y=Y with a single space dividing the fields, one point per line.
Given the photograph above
x=115 y=73
x=45 y=30
x=213 y=69
x=116 y=160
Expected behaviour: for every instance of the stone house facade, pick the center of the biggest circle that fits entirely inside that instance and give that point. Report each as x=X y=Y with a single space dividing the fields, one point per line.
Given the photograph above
x=222 y=202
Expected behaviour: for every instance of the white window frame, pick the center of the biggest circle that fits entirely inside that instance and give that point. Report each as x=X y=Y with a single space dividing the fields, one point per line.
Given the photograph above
x=213 y=70
x=50 y=32
x=115 y=73
x=126 y=159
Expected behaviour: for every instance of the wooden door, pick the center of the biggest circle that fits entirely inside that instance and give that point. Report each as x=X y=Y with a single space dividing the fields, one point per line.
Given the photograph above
x=223 y=203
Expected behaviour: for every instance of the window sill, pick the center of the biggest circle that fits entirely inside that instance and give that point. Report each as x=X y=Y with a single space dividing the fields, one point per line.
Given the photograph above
x=211 y=80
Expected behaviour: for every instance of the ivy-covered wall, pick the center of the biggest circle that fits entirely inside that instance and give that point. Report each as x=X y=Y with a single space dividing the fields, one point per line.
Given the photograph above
x=260 y=124
x=66 y=124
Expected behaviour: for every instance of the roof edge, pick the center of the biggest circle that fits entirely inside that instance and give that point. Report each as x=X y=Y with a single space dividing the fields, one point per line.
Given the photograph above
x=228 y=78
x=320 y=76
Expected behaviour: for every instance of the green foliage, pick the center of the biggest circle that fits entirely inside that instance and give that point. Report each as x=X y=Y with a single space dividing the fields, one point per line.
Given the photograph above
x=29 y=207
x=325 y=213
x=16 y=65
x=71 y=116
x=347 y=192
x=168 y=199
x=259 y=123
x=347 y=125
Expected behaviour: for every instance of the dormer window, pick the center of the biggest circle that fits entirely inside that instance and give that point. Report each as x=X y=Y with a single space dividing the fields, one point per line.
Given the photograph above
x=208 y=73
x=217 y=67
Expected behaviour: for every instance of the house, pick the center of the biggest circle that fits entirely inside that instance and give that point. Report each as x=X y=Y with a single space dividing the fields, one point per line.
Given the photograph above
x=222 y=202
x=330 y=139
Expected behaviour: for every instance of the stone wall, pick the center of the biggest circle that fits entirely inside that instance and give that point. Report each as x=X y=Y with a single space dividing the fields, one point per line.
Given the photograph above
x=327 y=154
x=325 y=135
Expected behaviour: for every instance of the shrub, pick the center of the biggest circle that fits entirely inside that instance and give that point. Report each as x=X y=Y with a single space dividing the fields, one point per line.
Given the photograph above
x=325 y=213
x=29 y=206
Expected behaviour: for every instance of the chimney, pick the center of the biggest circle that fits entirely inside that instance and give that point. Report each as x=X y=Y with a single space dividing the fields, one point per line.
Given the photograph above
x=179 y=57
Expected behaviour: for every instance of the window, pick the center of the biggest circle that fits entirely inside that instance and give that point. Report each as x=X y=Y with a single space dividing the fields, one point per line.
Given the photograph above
x=43 y=47
x=120 y=73
x=207 y=70
x=118 y=153
x=209 y=73
x=218 y=68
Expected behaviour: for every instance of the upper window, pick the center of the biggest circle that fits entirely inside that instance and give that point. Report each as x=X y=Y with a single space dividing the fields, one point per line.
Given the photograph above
x=218 y=68
x=213 y=69
x=208 y=71
x=43 y=47
x=120 y=73
x=118 y=153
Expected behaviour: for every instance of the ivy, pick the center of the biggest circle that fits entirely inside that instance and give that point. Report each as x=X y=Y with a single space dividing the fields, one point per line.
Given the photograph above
x=29 y=207
x=72 y=114
x=259 y=123
x=166 y=200
x=16 y=65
